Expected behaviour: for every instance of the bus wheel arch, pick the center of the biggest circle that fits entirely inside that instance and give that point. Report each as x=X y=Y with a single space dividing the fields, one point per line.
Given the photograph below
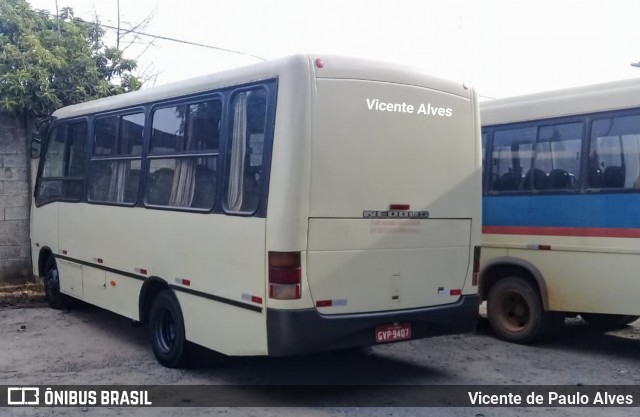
x=43 y=258
x=150 y=289
x=515 y=305
x=504 y=267
x=48 y=270
x=160 y=308
x=167 y=330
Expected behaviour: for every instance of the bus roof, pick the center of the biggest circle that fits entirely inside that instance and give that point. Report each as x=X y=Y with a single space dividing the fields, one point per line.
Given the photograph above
x=334 y=67
x=571 y=101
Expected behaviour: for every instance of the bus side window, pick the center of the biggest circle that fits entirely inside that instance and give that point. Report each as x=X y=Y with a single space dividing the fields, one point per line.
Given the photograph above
x=183 y=156
x=63 y=164
x=511 y=156
x=243 y=182
x=116 y=179
x=614 y=158
x=557 y=156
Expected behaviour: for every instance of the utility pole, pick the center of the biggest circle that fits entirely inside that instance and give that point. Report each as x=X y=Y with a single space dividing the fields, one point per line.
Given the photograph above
x=118 y=33
x=57 y=17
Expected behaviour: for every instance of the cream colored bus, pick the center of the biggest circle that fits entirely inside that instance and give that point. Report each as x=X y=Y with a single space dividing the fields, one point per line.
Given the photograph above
x=561 y=209
x=295 y=206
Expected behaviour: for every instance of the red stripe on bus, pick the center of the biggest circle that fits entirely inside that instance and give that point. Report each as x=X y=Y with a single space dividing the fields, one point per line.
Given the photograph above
x=562 y=231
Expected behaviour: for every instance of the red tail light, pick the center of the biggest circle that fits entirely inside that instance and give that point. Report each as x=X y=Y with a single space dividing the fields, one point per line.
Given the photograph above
x=284 y=275
x=476 y=264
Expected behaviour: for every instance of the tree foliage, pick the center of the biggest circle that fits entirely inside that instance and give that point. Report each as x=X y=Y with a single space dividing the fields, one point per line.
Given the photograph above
x=47 y=62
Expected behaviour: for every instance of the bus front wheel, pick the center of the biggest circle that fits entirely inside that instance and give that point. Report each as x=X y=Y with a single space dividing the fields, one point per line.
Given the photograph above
x=167 y=333
x=516 y=313
x=51 y=282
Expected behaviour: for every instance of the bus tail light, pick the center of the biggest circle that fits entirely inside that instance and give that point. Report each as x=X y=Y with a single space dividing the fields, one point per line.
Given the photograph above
x=285 y=275
x=476 y=265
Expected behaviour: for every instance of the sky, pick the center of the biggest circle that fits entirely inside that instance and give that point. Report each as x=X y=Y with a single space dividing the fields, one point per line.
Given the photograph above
x=503 y=47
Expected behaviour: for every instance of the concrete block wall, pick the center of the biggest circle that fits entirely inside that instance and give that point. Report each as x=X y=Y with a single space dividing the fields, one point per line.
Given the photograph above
x=15 y=255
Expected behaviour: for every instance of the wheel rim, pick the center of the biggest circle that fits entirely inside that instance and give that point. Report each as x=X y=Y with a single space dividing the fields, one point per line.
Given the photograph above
x=165 y=332
x=52 y=282
x=513 y=311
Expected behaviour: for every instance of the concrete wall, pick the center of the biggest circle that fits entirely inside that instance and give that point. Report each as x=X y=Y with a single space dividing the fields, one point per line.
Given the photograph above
x=15 y=256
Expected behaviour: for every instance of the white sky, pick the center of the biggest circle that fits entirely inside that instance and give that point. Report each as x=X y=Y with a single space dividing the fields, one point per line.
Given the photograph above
x=504 y=47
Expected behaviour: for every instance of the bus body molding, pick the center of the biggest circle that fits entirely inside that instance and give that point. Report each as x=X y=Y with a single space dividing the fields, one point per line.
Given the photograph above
x=394 y=214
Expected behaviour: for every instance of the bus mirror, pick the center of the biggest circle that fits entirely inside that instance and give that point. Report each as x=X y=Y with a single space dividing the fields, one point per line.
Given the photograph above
x=36 y=144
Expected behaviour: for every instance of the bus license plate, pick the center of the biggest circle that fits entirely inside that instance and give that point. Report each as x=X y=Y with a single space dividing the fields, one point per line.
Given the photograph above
x=393 y=332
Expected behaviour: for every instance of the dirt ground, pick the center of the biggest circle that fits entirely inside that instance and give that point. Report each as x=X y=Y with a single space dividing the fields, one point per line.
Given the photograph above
x=91 y=346
x=28 y=295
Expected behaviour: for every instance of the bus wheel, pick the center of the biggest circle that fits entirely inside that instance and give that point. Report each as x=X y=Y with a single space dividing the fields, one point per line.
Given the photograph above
x=605 y=322
x=167 y=331
x=51 y=282
x=515 y=311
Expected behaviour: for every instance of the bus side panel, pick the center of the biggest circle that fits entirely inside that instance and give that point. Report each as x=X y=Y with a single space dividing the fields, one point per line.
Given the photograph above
x=578 y=271
x=226 y=329
x=593 y=292
x=111 y=291
x=221 y=256
x=590 y=259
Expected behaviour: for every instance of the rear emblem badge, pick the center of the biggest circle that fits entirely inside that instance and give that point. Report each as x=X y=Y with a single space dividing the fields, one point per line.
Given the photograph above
x=395 y=214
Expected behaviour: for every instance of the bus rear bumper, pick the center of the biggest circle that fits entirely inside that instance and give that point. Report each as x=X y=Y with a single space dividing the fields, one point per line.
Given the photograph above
x=295 y=332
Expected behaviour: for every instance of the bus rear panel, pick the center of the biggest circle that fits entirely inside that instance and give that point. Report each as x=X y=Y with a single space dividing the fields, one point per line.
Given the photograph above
x=393 y=217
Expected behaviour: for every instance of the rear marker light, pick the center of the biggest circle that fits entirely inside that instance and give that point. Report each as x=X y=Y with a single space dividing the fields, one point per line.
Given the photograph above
x=183 y=281
x=544 y=247
x=336 y=302
x=285 y=275
x=455 y=292
x=99 y=260
x=399 y=206
x=64 y=252
x=252 y=298
x=320 y=63
x=113 y=283
x=142 y=271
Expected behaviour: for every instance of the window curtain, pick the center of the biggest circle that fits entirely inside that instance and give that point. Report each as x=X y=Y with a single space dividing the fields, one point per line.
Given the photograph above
x=119 y=170
x=238 y=150
x=184 y=184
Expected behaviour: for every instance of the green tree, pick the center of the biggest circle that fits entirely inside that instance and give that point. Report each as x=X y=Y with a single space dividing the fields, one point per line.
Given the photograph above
x=47 y=62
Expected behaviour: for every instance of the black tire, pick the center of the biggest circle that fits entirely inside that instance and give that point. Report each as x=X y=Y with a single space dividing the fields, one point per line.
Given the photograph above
x=606 y=322
x=166 y=327
x=516 y=314
x=51 y=282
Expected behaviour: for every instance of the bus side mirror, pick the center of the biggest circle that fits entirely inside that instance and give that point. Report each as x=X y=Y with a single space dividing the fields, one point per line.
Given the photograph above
x=36 y=145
